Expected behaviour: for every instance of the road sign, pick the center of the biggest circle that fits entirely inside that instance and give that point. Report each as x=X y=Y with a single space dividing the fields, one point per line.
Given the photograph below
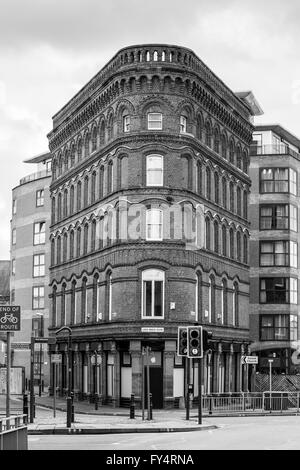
x=57 y=358
x=249 y=359
x=10 y=318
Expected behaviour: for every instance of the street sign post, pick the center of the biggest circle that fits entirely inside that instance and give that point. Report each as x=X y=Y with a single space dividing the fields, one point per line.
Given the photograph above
x=10 y=320
x=249 y=359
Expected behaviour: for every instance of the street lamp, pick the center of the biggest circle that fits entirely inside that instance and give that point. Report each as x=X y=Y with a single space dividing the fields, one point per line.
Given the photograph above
x=69 y=397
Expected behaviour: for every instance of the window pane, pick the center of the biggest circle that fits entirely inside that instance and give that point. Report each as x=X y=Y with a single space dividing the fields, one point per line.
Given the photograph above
x=147 y=298
x=158 y=300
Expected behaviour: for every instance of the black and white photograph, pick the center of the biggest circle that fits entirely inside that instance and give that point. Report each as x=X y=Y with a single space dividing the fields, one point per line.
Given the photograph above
x=149 y=207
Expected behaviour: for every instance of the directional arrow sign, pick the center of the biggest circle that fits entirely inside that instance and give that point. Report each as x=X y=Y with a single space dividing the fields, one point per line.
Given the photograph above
x=249 y=359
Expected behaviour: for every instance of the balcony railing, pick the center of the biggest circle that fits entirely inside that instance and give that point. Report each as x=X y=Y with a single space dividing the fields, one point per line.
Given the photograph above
x=282 y=149
x=35 y=176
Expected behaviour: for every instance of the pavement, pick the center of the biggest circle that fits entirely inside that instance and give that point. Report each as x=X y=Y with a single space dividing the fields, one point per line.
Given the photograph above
x=105 y=420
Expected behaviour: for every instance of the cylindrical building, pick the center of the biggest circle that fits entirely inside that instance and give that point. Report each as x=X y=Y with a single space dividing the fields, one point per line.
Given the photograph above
x=150 y=226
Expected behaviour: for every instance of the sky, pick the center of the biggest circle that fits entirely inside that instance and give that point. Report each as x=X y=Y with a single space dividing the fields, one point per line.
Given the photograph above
x=49 y=49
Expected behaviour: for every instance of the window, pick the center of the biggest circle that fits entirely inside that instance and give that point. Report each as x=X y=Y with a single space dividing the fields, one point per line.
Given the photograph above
x=235 y=305
x=14 y=236
x=207 y=234
x=110 y=177
x=79 y=196
x=126 y=123
x=278 y=327
x=224 y=241
x=13 y=267
x=14 y=206
x=37 y=326
x=278 y=290
x=183 y=121
x=216 y=237
x=154 y=220
x=222 y=318
x=72 y=244
x=72 y=200
x=216 y=188
x=73 y=302
x=231 y=197
x=86 y=192
x=109 y=296
x=208 y=183
x=278 y=180
x=278 y=253
x=154 y=170
x=211 y=298
x=224 y=193
x=39 y=265
x=38 y=297
x=278 y=217
x=83 y=301
x=40 y=198
x=245 y=259
x=39 y=233
x=153 y=293
x=154 y=121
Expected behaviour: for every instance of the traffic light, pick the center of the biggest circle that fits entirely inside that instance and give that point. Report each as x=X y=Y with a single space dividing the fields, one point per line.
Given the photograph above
x=207 y=336
x=195 y=345
x=182 y=341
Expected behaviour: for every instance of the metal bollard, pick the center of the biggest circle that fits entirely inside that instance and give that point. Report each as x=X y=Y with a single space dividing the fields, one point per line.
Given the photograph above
x=151 y=406
x=34 y=406
x=69 y=412
x=132 y=407
x=96 y=401
x=210 y=405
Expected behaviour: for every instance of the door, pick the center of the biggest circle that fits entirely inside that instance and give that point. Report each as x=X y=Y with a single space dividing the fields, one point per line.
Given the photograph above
x=156 y=386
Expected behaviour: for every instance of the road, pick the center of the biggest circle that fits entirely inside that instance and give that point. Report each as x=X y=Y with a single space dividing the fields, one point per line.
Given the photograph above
x=265 y=433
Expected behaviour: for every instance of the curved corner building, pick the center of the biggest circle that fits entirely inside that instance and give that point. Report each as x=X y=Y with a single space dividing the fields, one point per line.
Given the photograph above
x=150 y=226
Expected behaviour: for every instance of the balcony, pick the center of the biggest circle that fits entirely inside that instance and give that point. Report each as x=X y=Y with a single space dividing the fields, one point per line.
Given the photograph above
x=282 y=149
x=35 y=176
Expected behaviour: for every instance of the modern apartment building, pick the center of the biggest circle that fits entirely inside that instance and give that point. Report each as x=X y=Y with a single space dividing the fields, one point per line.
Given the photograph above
x=150 y=226
x=274 y=247
x=30 y=258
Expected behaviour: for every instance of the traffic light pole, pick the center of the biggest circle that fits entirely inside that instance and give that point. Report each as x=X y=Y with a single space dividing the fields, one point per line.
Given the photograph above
x=199 y=390
x=187 y=362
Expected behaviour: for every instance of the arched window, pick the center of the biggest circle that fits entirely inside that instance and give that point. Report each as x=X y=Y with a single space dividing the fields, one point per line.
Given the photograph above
x=54 y=166
x=63 y=305
x=78 y=242
x=110 y=127
x=231 y=151
x=224 y=307
x=199 y=178
x=224 y=146
x=108 y=297
x=71 y=244
x=208 y=184
x=72 y=200
x=239 y=157
x=231 y=196
x=95 y=297
x=73 y=302
x=208 y=134
x=216 y=140
x=52 y=252
x=187 y=176
x=94 y=139
x=59 y=207
x=93 y=235
x=110 y=176
x=238 y=201
x=224 y=241
x=79 y=196
x=85 y=238
x=86 y=192
x=216 y=237
x=54 y=306
x=153 y=293
x=102 y=133
x=211 y=299
x=198 y=297
x=126 y=123
x=238 y=246
x=79 y=149
x=231 y=244
x=245 y=162
x=224 y=192
x=93 y=187
x=183 y=124
x=155 y=175
x=101 y=182
x=58 y=250
x=199 y=127
x=216 y=188
x=87 y=145
x=66 y=162
x=72 y=155
x=207 y=233
x=83 y=301
x=53 y=218
x=65 y=203
x=65 y=247
x=60 y=165
x=154 y=224
x=235 y=304
x=245 y=205
x=245 y=249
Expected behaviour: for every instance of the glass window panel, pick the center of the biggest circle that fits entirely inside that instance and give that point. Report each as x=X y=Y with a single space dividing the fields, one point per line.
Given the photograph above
x=158 y=298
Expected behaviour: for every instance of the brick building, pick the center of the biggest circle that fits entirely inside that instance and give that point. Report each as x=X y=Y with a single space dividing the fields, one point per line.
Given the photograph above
x=150 y=225
x=274 y=275
x=30 y=259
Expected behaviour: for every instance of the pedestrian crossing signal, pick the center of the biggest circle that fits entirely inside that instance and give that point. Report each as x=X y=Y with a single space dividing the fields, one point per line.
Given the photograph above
x=195 y=341
x=182 y=346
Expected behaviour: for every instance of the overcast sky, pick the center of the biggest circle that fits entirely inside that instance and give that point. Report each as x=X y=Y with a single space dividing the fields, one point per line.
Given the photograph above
x=50 y=48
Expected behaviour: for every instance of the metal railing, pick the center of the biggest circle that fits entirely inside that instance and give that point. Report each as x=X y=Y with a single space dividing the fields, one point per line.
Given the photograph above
x=270 y=149
x=246 y=402
x=13 y=433
x=35 y=176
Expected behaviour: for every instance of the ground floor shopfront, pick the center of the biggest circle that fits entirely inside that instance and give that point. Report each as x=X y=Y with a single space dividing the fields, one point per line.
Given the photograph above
x=113 y=371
